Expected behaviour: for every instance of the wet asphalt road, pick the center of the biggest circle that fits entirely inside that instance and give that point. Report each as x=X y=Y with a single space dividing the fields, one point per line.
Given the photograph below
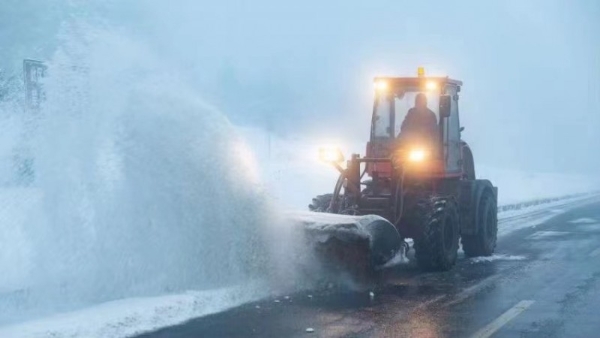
x=545 y=282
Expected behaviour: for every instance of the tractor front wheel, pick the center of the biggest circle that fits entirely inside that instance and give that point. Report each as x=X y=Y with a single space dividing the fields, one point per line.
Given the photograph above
x=437 y=247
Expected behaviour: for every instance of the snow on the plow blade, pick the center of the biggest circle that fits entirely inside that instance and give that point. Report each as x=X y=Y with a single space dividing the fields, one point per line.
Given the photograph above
x=353 y=244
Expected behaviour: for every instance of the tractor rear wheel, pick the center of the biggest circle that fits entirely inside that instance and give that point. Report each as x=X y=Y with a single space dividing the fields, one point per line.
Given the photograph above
x=483 y=242
x=320 y=203
x=437 y=248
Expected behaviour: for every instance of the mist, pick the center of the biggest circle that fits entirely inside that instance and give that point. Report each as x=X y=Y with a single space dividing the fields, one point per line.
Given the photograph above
x=530 y=69
x=168 y=86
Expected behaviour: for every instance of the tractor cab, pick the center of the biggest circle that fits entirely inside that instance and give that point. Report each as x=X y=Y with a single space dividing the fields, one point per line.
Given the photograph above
x=415 y=119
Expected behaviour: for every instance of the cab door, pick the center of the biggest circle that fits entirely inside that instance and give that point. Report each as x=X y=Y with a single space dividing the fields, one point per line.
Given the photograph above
x=451 y=134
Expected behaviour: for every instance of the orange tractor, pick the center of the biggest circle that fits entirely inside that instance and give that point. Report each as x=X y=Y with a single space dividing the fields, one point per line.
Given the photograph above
x=421 y=183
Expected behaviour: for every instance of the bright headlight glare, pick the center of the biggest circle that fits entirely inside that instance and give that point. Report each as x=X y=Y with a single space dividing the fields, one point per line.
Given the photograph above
x=417 y=155
x=431 y=85
x=381 y=85
x=331 y=154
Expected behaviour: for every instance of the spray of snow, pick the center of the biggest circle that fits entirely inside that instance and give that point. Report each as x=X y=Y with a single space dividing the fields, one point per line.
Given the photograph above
x=140 y=189
x=399 y=259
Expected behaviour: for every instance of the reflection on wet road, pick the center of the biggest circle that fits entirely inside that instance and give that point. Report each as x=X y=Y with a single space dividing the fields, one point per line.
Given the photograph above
x=543 y=282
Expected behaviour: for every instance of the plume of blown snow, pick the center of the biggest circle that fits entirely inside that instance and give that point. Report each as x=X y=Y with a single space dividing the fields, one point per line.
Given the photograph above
x=140 y=187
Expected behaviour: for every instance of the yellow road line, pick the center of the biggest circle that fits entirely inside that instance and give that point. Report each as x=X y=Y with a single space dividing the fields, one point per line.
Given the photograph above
x=504 y=318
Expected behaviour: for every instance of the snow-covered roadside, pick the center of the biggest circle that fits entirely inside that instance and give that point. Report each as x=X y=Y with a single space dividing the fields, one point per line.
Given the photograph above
x=542 y=202
x=128 y=317
x=532 y=215
x=496 y=257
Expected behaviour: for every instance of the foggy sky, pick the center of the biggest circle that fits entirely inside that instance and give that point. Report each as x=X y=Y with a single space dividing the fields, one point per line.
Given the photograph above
x=531 y=69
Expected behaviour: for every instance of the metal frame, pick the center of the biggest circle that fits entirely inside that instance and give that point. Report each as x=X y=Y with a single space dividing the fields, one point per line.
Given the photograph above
x=33 y=71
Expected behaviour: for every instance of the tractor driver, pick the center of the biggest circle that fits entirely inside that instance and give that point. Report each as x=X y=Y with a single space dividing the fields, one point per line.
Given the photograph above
x=420 y=120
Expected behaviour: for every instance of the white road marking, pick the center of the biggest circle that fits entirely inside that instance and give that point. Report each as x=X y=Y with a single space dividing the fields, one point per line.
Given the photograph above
x=472 y=290
x=595 y=253
x=429 y=302
x=466 y=293
x=491 y=328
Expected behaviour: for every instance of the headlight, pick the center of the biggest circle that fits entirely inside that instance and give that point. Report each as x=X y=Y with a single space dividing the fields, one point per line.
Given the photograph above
x=417 y=155
x=431 y=85
x=331 y=154
x=381 y=86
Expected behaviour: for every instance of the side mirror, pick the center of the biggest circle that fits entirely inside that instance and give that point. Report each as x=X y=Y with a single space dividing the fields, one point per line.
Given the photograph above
x=445 y=104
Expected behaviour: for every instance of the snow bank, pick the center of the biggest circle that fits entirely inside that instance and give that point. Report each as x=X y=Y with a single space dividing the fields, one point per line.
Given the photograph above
x=515 y=219
x=128 y=317
x=584 y=221
x=500 y=257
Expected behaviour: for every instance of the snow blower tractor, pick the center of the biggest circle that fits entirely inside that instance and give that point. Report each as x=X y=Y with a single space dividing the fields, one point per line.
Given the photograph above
x=417 y=181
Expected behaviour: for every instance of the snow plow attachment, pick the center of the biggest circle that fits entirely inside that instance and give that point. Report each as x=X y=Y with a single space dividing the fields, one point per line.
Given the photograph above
x=356 y=245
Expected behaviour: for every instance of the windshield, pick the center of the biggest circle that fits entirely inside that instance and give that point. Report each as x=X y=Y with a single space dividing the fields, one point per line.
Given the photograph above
x=390 y=113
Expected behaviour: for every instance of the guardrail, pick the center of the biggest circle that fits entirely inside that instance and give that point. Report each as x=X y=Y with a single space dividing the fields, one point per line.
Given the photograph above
x=526 y=204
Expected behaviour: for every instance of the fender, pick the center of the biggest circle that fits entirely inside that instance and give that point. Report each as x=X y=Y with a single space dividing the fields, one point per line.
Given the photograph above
x=467 y=162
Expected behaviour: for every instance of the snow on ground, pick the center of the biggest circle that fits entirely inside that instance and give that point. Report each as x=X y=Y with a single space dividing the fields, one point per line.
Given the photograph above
x=543 y=235
x=589 y=227
x=517 y=219
x=398 y=259
x=499 y=257
x=341 y=225
x=128 y=317
x=583 y=221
